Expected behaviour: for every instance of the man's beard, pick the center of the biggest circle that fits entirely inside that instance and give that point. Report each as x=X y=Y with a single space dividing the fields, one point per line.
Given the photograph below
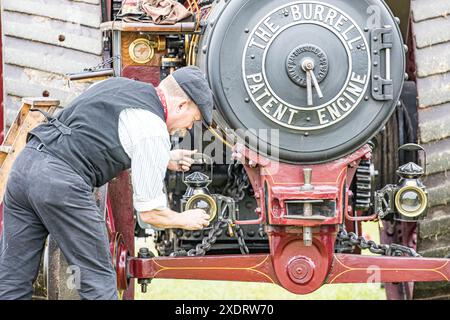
x=180 y=133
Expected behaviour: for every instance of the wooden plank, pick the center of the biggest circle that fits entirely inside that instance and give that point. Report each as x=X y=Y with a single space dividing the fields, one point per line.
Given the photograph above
x=438 y=156
x=426 y=9
x=435 y=227
x=431 y=32
x=74 y=12
x=17 y=139
x=434 y=123
x=41 y=102
x=179 y=27
x=433 y=60
x=434 y=90
x=438 y=194
x=53 y=32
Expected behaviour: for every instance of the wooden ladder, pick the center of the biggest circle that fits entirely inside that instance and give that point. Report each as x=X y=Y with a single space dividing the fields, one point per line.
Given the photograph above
x=15 y=139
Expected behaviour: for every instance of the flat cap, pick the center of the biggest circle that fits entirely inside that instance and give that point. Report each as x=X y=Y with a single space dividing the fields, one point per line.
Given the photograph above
x=193 y=82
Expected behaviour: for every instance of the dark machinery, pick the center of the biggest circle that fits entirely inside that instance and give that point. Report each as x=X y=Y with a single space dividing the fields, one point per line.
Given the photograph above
x=303 y=90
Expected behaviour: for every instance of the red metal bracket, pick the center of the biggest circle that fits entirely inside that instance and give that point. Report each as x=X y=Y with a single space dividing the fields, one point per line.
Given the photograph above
x=346 y=268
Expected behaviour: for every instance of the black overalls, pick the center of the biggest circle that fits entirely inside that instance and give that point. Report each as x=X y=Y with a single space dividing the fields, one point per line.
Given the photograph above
x=50 y=186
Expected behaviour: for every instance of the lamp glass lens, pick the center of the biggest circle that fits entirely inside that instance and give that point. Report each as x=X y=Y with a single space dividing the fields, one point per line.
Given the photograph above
x=411 y=201
x=201 y=204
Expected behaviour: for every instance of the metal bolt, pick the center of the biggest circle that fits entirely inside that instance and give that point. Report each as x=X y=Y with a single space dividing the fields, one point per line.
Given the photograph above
x=247 y=100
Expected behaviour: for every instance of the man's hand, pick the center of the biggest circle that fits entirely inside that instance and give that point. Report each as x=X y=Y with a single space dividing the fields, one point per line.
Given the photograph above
x=195 y=219
x=181 y=160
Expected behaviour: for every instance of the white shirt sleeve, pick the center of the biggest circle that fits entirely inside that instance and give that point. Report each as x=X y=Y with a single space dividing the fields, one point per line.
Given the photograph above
x=145 y=139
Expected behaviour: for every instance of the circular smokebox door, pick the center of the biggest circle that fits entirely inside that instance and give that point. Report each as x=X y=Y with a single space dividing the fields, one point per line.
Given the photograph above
x=326 y=75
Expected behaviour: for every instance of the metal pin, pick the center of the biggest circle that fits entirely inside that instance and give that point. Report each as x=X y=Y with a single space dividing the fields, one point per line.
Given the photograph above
x=309 y=88
x=316 y=84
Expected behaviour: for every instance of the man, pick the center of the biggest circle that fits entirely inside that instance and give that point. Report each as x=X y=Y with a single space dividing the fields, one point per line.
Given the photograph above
x=115 y=125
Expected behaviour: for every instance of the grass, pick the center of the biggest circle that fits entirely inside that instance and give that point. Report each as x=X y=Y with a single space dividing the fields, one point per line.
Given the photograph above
x=162 y=289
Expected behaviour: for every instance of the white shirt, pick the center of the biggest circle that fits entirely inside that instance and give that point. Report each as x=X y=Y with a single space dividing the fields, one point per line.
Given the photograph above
x=146 y=141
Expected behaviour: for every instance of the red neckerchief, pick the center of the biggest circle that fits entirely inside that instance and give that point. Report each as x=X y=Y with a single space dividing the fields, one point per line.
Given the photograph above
x=162 y=98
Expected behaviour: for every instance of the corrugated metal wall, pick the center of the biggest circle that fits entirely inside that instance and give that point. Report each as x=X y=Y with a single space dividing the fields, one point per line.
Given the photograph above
x=42 y=41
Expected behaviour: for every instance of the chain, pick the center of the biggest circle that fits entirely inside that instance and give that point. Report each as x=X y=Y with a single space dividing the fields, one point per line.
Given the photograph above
x=103 y=64
x=207 y=242
x=349 y=240
x=237 y=182
x=241 y=240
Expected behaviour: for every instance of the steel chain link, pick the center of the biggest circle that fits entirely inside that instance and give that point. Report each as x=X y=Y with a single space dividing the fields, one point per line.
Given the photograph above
x=207 y=242
x=351 y=239
x=237 y=182
x=241 y=240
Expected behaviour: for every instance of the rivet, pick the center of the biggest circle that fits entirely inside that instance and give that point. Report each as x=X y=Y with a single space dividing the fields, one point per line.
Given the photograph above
x=376 y=89
x=376 y=77
x=253 y=56
x=308 y=119
x=375 y=52
x=61 y=38
x=406 y=48
x=366 y=29
x=375 y=64
x=205 y=49
x=366 y=98
x=246 y=30
x=306 y=134
x=247 y=100
x=406 y=76
x=375 y=39
x=398 y=20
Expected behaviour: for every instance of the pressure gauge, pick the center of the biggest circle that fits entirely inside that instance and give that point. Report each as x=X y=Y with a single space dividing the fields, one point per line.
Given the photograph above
x=141 y=51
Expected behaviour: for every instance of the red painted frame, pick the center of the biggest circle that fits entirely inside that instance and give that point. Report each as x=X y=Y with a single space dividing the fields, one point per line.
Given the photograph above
x=292 y=264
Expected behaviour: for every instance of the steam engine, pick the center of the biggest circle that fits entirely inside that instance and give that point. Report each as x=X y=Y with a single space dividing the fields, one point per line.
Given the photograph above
x=301 y=90
x=302 y=83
